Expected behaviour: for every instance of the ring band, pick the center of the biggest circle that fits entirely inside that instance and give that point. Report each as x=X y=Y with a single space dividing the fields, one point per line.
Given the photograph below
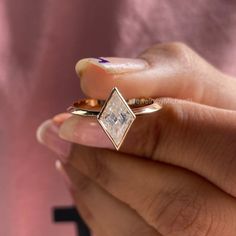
x=92 y=107
x=115 y=114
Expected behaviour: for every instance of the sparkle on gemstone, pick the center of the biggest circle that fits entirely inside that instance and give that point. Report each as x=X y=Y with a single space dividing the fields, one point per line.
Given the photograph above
x=116 y=118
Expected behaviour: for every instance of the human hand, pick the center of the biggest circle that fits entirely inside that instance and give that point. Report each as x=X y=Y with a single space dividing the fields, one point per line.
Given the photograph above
x=175 y=172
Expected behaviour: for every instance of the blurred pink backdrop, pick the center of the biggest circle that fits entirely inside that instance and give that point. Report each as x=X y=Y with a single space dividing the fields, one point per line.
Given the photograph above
x=40 y=42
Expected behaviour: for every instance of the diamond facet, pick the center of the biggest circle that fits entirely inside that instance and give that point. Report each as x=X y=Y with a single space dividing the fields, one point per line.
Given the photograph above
x=116 y=118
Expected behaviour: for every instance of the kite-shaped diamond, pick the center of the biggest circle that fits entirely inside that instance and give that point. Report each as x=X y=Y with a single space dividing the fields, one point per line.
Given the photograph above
x=116 y=118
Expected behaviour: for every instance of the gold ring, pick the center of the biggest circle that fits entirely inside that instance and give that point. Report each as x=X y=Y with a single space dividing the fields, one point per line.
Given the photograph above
x=115 y=114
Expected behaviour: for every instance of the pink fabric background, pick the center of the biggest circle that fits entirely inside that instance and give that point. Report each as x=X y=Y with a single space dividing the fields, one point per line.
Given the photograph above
x=40 y=42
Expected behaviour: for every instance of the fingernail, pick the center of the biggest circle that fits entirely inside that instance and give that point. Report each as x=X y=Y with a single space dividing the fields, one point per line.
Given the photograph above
x=114 y=65
x=48 y=134
x=85 y=132
x=60 y=118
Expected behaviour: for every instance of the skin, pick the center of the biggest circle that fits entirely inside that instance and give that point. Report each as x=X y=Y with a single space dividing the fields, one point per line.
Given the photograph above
x=175 y=173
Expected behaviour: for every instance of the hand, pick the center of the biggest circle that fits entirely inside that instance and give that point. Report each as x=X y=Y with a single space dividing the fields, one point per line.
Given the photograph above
x=175 y=173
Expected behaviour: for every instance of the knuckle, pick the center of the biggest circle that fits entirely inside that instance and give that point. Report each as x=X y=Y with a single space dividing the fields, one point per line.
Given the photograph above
x=180 y=213
x=179 y=47
x=172 y=116
x=176 y=49
x=171 y=49
x=172 y=121
x=174 y=112
x=145 y=134
x=178 y=55
x=181 y=54
x=179 y=116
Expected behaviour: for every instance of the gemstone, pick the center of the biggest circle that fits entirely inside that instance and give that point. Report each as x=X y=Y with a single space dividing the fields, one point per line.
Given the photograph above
x=116 y=118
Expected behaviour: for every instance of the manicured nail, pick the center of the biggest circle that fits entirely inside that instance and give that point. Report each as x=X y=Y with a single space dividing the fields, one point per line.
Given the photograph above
x=48 y=134
x=60 y=118
x=114 y=65
x=84 y=131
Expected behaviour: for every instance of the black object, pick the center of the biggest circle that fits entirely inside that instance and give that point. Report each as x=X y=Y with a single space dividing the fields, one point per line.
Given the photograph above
x=70 y=214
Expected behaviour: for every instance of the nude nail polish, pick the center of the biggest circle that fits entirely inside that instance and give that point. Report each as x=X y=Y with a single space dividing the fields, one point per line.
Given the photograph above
x=47 y=134
x=113 y=65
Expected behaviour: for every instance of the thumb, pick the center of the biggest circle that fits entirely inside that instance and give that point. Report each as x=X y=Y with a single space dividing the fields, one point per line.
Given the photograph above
x=163 y=70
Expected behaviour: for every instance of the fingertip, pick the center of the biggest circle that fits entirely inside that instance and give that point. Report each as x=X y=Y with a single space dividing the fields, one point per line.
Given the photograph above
x=85 y=131
x=60 y=118
x=41 y=131
x=99 y=75
x=111 y=65
x=81 y=66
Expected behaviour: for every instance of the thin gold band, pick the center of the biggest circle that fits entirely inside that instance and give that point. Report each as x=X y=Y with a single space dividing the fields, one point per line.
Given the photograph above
x=115 y=114
x=92 y=107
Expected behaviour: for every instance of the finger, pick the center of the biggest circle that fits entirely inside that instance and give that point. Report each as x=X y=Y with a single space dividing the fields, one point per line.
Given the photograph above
x=171 y=199
x=83 y=209
x=199 y=138
x=60 y=118
x=164 y=70
x=86 y=214
x=105 y=214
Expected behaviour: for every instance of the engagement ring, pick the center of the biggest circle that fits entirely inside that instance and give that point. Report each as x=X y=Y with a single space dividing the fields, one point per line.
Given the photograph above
x=115 y=115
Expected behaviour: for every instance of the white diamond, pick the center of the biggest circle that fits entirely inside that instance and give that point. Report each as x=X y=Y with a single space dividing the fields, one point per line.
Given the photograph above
x=116 y=118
